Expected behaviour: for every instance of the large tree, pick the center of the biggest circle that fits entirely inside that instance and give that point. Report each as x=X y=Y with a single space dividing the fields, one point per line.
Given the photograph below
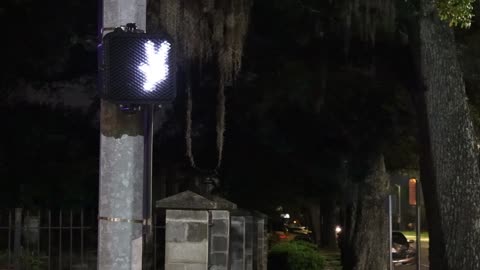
x=449 y=167
x=317 y=111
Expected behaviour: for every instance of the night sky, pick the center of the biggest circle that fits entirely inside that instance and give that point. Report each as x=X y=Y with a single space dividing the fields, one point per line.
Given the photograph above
x=303 y=105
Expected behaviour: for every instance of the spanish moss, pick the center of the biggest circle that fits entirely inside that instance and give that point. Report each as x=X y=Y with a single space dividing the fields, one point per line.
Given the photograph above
x=207 y=30
x=365 y=18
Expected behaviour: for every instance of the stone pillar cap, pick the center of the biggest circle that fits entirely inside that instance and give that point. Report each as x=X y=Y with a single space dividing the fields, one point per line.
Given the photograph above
x=248 y=213
x=189 y=200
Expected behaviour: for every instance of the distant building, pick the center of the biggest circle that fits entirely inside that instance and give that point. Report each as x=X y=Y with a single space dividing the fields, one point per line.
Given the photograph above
x=403 y=213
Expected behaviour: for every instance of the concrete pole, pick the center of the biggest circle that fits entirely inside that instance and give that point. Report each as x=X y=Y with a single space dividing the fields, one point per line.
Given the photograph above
x=149 y=112
x=399 y=202
x=120 y=225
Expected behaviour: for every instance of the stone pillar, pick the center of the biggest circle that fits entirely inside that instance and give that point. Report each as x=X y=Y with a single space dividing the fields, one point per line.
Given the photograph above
x=186 y=240
x=249 y=242
x=197 y=232
x=260 y=252
x=237 y=243
x=219 y=240
x=242 y=242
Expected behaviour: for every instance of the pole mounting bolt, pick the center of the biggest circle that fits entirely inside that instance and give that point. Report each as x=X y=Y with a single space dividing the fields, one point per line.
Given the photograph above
x=131 y=27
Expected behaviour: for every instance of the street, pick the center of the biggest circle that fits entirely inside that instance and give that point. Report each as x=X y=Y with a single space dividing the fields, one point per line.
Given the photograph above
x=423 y=259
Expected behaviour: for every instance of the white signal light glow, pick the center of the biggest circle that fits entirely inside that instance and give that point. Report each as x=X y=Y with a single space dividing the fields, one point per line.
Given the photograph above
x=156 y=69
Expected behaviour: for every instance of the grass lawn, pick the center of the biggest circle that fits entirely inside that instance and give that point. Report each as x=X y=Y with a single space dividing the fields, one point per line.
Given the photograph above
x=412 y=235
x=332 y=255
x=332 y=258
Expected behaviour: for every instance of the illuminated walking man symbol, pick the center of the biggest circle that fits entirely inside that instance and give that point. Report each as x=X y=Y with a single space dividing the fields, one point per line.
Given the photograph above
x=156 y=69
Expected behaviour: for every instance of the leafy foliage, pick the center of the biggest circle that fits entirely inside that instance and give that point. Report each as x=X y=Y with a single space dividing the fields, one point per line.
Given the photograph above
x=295 y=255
x=27 y=260
x=456 y=12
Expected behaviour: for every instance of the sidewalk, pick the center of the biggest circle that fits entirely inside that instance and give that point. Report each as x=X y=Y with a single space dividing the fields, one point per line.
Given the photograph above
x=332 y=258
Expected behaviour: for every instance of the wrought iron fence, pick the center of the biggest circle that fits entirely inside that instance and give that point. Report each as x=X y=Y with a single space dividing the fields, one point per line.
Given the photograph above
x=59 y=240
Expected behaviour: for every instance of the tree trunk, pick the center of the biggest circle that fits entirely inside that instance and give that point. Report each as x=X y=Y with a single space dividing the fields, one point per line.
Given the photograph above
x=365 y=238
x=314 y=211
x=329 y=222
x=449 y=161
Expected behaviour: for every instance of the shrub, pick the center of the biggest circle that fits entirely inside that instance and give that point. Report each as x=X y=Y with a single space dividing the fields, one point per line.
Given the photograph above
x=295 y=255
x=32 y=262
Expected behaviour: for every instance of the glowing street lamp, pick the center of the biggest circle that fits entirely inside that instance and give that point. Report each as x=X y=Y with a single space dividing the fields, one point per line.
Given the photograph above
x=412 y=191
x=137 y=68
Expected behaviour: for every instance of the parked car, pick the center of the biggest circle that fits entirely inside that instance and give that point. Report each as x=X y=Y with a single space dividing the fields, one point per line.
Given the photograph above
x=403 y=250
x=290 y=232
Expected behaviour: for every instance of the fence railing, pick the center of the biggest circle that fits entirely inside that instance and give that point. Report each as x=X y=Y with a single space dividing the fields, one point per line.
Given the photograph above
x=59 y=240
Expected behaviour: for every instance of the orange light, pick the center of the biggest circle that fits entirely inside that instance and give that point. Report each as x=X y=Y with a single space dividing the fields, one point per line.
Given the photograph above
x=282 y=236
x=412 y=191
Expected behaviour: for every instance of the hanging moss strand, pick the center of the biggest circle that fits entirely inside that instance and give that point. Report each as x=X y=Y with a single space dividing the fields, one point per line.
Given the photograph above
x=202 y=31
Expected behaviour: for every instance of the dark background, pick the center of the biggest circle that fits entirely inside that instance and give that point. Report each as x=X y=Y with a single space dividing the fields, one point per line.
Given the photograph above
x=304 y=107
